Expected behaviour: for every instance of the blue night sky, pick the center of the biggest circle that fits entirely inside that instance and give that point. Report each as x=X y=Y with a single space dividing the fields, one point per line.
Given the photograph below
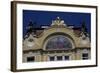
x=46 y=17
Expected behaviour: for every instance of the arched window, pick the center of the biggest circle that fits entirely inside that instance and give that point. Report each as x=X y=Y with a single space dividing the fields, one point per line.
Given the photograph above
x=59 y=42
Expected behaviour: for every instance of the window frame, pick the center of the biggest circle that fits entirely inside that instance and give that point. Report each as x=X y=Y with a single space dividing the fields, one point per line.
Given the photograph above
x=31 y=59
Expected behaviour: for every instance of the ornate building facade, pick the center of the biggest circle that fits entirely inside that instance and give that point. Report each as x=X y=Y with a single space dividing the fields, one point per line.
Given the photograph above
x=57 y=42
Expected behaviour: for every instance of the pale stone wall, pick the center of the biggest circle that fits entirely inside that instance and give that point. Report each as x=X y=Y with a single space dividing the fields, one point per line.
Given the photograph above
x=74 y=55
x=40 y=42
x=78 y=44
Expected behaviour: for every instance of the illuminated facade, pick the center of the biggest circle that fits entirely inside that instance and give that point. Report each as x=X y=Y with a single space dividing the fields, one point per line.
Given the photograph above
x=56 y=42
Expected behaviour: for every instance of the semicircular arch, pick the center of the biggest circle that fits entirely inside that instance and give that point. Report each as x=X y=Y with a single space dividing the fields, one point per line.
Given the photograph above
x=64 y=41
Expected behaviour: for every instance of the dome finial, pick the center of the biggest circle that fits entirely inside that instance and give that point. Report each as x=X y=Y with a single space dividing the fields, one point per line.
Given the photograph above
x=58 y=17
x=58 y=21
